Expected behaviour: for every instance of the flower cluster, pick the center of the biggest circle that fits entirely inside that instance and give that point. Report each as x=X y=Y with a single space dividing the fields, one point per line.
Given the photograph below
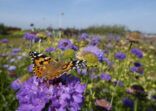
x=95 y=40
x=4 y=40
x=65 y=44
x=106 y=77
x=50 y=49
x=138 y=68
x=36 y=95
x=137 y=52
x=95 y=50
x=31 y=37
x=15 y=51
x=120 y=56
x=84 y=36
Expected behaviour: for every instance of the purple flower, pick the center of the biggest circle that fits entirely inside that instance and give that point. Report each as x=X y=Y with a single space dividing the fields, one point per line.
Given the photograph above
x=31 y=37
x=119 y=83
x=15 y=85
x=15 y=51
x=11 y=68
x=95 y=40
x=137 y=90
x=84 y=36
x=5 y=66
x=50 y=49
x=95 y=50
x=128 y=102
x=82 y=71
x=93 y=76
x=74 y=47
x=4 y=40
x=137 y=52
x=137 y=64
x=138 y=68
x=64 y=44
x=120 y=56
x=106 y=77
x=35 y=94
x=114 y=37
x=30 y=68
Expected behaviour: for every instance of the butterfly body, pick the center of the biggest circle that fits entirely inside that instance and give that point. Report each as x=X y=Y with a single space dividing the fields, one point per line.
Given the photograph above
x=46 y=67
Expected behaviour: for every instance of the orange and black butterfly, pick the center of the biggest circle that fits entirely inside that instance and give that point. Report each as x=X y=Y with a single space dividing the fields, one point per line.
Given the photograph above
x=48 y=68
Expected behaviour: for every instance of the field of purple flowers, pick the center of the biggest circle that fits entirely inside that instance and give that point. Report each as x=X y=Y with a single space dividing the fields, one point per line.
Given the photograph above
x=120 y=74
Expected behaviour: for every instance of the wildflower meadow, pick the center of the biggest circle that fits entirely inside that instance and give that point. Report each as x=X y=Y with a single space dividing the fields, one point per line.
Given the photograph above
x=118 y=73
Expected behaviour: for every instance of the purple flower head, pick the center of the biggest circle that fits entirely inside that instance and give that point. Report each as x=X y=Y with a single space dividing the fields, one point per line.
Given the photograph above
x=106 y=77
x=74 y=47
x=84 y=36
x=82 y=71
x=30 y=37
x=15 y=85
x=137 y=90
x=133 y=69
x=93 y=76
x=153 y=97
x=5 y=66
x=117 y=38
x=49 y=34
x=128 y=102
x=138 y=68
x=15 y=51
x=137 y=64
x=114 y=37
x=35 y=94
x=95 y=40
x=30 y=68
x=50 y=49
x=120 y=56
x=4 y=40
x=119 y=83
x=95 y=50
x=64 y=44
x=137 y=52
x=11 y=68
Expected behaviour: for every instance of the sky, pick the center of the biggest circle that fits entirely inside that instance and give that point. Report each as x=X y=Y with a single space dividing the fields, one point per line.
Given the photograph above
x=134 y=14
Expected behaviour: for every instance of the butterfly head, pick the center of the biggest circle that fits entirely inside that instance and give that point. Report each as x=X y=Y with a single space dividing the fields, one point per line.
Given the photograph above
x=34 y=54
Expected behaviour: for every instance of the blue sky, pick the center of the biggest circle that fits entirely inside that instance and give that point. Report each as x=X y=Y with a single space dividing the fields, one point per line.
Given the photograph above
x=135 y=14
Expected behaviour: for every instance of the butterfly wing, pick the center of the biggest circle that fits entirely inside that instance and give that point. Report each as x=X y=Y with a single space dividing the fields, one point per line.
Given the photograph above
x=40 y=61
x=55 y=70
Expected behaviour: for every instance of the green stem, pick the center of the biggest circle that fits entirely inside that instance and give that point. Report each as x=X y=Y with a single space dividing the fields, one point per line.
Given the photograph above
x=136 y=105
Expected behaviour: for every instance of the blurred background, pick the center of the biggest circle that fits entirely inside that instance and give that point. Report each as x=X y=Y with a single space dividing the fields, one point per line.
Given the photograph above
x=117 y=38
x=135 y=15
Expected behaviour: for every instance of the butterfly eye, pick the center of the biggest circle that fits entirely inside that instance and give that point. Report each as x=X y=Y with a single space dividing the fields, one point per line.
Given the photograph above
x=32 y=54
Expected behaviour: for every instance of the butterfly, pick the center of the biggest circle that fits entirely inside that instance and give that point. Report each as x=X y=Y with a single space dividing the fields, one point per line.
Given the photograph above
x=48 y=68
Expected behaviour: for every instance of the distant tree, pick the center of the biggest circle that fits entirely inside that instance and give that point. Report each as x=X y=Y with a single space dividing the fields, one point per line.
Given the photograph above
x=3 y=29
x=105 y=29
